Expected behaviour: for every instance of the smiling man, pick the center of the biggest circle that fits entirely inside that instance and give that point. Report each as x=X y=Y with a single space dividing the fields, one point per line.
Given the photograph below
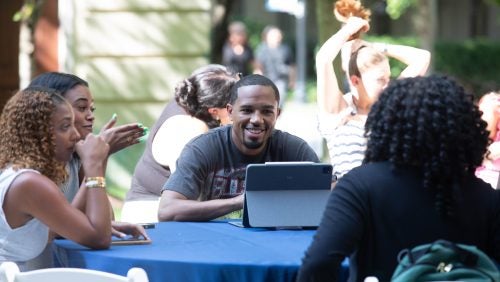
x=209 y=181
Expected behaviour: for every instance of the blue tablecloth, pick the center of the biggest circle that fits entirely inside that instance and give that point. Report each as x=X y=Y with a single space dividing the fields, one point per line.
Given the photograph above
x=209 y=251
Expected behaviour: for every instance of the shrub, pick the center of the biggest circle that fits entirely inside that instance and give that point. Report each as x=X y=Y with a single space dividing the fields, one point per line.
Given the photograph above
x=475 y=62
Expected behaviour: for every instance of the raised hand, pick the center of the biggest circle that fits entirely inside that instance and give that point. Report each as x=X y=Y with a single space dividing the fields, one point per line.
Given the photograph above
x=123 y=136
x=356 y=26
x=93 y=152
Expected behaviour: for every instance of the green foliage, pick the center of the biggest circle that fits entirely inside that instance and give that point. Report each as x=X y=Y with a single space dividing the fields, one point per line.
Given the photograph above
x=395 y=8
x=495 y=2
x=474 y=62
x=29 y=11
x=311 y=90
x=116 y=191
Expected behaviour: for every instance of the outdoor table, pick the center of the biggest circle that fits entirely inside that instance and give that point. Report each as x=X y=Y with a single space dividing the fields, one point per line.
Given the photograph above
x=208 y=251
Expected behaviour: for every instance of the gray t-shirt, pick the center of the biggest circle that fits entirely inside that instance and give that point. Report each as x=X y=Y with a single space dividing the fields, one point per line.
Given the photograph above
x=211 y=167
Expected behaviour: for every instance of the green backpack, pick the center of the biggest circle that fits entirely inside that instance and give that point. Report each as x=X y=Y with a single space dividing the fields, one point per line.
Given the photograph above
x=445 y=261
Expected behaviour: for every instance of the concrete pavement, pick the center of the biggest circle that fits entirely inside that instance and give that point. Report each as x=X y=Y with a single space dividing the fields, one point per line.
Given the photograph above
x=301 y=119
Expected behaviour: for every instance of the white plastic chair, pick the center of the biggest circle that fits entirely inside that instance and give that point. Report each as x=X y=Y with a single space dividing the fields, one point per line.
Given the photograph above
x=9 y=272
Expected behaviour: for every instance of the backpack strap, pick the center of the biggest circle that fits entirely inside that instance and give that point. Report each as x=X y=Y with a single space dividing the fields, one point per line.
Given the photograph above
x=464 y=256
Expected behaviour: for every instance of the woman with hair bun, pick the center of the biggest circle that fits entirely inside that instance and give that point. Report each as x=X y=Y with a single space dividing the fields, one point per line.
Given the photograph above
x=200 y=104
x=416 y=184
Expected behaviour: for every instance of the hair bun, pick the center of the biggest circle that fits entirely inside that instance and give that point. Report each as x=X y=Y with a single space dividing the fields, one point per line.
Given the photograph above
x=343 y=9
x=186 y=95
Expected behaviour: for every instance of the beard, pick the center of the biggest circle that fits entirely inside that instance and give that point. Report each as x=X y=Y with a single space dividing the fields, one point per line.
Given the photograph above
x=251 y=144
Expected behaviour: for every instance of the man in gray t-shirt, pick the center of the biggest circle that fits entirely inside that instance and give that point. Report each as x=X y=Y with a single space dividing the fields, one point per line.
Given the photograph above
x=209 y=179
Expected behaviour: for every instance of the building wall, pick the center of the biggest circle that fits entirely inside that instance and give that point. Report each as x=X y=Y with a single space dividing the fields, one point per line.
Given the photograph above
x=133 y=53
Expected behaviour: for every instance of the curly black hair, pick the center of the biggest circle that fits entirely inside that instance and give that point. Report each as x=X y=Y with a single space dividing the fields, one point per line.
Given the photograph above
x=432 y=124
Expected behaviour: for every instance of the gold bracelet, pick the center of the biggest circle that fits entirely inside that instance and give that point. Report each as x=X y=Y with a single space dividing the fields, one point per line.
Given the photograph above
x=95 y=182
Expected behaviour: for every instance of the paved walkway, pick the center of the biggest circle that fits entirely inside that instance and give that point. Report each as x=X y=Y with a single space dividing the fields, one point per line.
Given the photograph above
x=301 y=119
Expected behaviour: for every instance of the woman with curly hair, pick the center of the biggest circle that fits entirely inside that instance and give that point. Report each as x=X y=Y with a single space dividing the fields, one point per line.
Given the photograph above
x=200 y=104
x=77 y=92
x=37 y=138
x=342 y=117
x=416 y=184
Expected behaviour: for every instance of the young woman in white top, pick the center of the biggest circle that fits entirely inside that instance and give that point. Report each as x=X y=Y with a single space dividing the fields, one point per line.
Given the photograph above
x=37 y=139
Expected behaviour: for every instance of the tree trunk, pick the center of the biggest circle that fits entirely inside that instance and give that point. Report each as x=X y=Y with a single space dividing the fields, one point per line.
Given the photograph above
x=9 y=50
x=45 y=39
x=425 y=21
x=327 y=25
x=478 y=18
x=222 y=10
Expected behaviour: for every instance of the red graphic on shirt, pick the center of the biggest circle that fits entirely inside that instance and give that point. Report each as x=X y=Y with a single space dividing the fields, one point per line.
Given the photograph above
x=228 y=183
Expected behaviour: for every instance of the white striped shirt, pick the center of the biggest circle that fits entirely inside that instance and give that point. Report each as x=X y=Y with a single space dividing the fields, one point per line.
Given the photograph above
x=344 y=135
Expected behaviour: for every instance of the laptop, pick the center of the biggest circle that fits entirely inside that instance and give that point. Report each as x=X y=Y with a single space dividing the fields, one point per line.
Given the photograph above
x=286 y=194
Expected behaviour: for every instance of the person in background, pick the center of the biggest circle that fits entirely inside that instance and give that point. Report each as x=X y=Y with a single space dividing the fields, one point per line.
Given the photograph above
x=210 y=176
x=489 y=171
x=38 y=137
x=275 y=61
x=342 y=117
x=237 y=55
x=200 y=104
x=416 y=185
